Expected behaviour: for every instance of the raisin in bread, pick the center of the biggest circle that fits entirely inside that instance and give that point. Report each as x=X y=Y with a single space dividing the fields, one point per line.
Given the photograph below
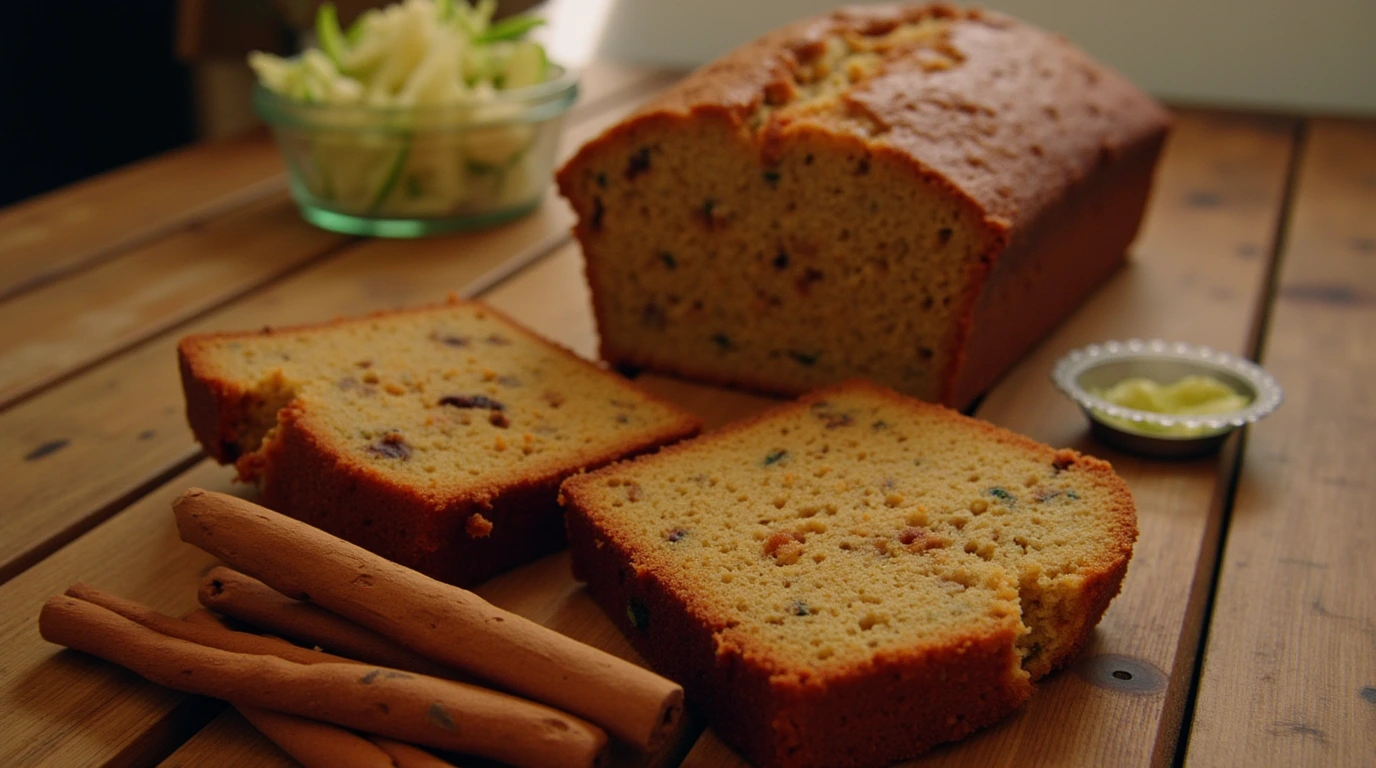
x=853 y=578
x=913 y=195
x=436 y=437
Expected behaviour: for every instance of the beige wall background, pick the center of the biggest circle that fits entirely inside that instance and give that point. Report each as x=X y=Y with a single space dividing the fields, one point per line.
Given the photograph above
x=1318 y=56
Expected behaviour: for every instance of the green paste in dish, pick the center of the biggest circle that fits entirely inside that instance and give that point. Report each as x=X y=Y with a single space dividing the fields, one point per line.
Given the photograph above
x=1196 y=395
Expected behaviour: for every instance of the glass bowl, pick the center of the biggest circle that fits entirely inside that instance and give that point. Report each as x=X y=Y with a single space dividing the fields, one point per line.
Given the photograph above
x=409 y=172
x=1099 y=366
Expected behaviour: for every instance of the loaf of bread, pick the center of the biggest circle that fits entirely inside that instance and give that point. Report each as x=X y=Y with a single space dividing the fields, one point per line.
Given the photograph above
x=853 y=578
x=912 y=195
x=435 y=437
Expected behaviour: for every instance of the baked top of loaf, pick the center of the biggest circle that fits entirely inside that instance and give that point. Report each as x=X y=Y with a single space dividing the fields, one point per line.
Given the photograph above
x=858 y=525
x=1007 y=114
x=450 y=401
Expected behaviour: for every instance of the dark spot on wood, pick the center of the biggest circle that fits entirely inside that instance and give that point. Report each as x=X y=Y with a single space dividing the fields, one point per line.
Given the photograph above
x=1203 y=199
x=598 y=212
x=472 y=401
x=1303 y=730
x=1368 y=694
x=781 y=260
x=148 y=434
x=1363 y=245
x=1124 y=674
x=771 y=178
x=804 y=358
x=46 y=449
x=669 y=261
x=1321 y=293
x=638 y=163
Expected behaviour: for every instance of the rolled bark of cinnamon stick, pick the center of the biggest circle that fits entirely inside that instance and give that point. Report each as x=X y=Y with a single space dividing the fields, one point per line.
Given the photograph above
x=208 y=633
x=408 y=756
x=314 y=744
x=450 y=625
x=321 y=745
x=412 y=708
x=249 y=600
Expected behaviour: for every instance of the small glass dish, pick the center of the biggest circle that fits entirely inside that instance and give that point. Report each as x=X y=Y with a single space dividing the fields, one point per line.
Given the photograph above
x=409 y=172
x=1099 y=366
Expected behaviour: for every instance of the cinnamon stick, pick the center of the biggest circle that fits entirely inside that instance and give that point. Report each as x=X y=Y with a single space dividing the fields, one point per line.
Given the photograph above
x=249 y=600
x=412 y=708
x=208 y=633
x=322 y=745
x=450 y=625
x=314 y=744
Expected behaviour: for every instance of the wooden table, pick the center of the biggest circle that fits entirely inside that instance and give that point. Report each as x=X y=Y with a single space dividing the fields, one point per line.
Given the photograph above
x=1246 y=630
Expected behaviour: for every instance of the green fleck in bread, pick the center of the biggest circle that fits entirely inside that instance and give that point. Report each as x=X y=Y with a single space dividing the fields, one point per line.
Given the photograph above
x=854 y=578
x=912 y=195
x=436 y=437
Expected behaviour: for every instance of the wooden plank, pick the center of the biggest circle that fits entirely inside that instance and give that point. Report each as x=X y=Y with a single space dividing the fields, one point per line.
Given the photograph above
x=119 y=427
x=64 y=708
x=1289 y=674
x=53 y=331
x=1198 y=274
x=82 y=224
x=50 y=332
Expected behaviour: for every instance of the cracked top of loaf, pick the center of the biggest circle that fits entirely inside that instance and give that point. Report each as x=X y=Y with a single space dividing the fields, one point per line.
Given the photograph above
x=1009 y=116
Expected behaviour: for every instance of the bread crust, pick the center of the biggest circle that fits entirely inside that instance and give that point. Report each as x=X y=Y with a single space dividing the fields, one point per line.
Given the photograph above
x=461 y=536
x=776 y=711
x=1024 y=130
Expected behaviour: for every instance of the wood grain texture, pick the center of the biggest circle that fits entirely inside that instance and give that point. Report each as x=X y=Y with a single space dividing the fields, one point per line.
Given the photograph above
x=228 y=740
x=1198 y=273
x=98 y=219
x=120 y=425
x=1289 y=674
x=68 y=324
x=49 y=332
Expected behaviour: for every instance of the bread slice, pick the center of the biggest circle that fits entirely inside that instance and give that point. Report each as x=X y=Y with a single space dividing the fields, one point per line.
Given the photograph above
x=436 y=437
x=853 y=578
x=908 y=194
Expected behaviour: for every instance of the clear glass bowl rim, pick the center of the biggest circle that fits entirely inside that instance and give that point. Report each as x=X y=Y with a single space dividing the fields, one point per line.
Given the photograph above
x=540 y=102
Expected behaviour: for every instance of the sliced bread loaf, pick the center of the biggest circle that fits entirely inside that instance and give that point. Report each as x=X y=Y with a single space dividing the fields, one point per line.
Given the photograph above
x=853 y=578
x=436 y=437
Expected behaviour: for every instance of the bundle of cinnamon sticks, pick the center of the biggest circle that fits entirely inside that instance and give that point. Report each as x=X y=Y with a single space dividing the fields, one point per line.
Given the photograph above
x=404 y=659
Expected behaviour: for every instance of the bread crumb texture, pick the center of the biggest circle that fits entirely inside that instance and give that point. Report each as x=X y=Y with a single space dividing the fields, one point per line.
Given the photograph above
x=856 y=530
x=446 y=400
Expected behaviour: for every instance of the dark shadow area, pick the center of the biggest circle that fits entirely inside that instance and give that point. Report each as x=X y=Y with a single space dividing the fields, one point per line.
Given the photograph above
x=87 y=87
